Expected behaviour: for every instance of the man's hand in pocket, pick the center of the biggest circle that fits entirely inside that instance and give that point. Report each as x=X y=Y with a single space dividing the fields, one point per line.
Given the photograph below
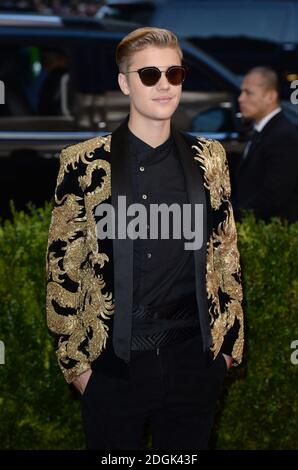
x=81 y=381
x=229 y=360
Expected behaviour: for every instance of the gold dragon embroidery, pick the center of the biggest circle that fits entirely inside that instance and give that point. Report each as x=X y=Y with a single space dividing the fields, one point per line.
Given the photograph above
x=73 y=222
x=223 y=263
x=212 y=159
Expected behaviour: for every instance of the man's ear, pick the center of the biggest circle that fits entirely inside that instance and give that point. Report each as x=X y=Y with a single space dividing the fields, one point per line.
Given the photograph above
x=123 y=84
x=272 y=96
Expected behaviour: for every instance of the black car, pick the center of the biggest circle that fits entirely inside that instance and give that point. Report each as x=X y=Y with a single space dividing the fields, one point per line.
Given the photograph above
x=60 y=86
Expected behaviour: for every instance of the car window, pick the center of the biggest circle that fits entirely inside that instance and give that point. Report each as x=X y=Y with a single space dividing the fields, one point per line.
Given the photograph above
x=49 y=87
x=15 y=71
x=215 y=119
x=36 y=82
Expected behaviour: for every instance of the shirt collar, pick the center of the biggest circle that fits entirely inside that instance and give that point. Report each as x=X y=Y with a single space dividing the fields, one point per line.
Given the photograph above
x=262 y=123
x=143 y=150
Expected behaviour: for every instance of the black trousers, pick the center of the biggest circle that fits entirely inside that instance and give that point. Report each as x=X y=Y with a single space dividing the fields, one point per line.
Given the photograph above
x=173 y=388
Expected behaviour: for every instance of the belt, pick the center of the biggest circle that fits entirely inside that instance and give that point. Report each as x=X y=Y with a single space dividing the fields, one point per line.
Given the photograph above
x=180 y=309
x=165 y=338
x=171 y=323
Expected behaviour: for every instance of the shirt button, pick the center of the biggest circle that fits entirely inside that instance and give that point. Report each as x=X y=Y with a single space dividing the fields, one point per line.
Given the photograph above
x=142 y=168
x=149 y=255
x=144 y=196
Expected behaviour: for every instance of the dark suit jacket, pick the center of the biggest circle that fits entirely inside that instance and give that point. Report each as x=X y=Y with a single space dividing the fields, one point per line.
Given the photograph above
x=267 y=179
x=90 y=280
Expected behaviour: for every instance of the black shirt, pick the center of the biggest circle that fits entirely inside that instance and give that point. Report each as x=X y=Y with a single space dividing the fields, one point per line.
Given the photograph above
x=163 y=270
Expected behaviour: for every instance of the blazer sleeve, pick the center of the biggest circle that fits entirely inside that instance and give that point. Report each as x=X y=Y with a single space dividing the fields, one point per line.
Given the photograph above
x=65 y=257
x=224 y=287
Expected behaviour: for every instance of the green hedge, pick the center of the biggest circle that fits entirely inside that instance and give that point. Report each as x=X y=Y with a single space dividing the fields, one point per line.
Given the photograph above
x=259 y=407
x=37 y=409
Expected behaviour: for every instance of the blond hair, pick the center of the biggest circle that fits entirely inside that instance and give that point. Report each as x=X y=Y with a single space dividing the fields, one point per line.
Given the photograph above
x=141 y=38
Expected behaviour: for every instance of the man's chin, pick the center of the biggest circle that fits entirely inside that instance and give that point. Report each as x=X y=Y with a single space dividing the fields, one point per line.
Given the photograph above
x=164 y=115
x=246 y=115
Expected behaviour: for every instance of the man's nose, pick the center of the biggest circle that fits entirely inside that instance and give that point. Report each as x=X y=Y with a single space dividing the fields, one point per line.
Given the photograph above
x=163 y=82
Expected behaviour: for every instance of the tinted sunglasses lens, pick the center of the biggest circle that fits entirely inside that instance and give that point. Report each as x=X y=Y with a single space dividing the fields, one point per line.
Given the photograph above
x=149 y=76
x=176 y=75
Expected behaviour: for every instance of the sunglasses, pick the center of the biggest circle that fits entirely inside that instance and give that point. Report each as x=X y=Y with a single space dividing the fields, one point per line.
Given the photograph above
x=150 y=76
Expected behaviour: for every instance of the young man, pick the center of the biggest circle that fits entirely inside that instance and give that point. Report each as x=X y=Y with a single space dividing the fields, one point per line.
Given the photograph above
x=146 y=328
x=267 y=176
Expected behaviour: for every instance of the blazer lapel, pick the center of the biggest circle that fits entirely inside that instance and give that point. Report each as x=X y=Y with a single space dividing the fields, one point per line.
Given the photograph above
x=122 y=248
x=196 y=195
x=256 y=140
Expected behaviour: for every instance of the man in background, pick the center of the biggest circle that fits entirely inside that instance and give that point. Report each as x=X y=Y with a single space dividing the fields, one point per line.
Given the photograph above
x=267 y=176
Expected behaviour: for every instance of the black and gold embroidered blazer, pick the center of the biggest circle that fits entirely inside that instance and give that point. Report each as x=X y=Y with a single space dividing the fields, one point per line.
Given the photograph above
x=89 y=280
